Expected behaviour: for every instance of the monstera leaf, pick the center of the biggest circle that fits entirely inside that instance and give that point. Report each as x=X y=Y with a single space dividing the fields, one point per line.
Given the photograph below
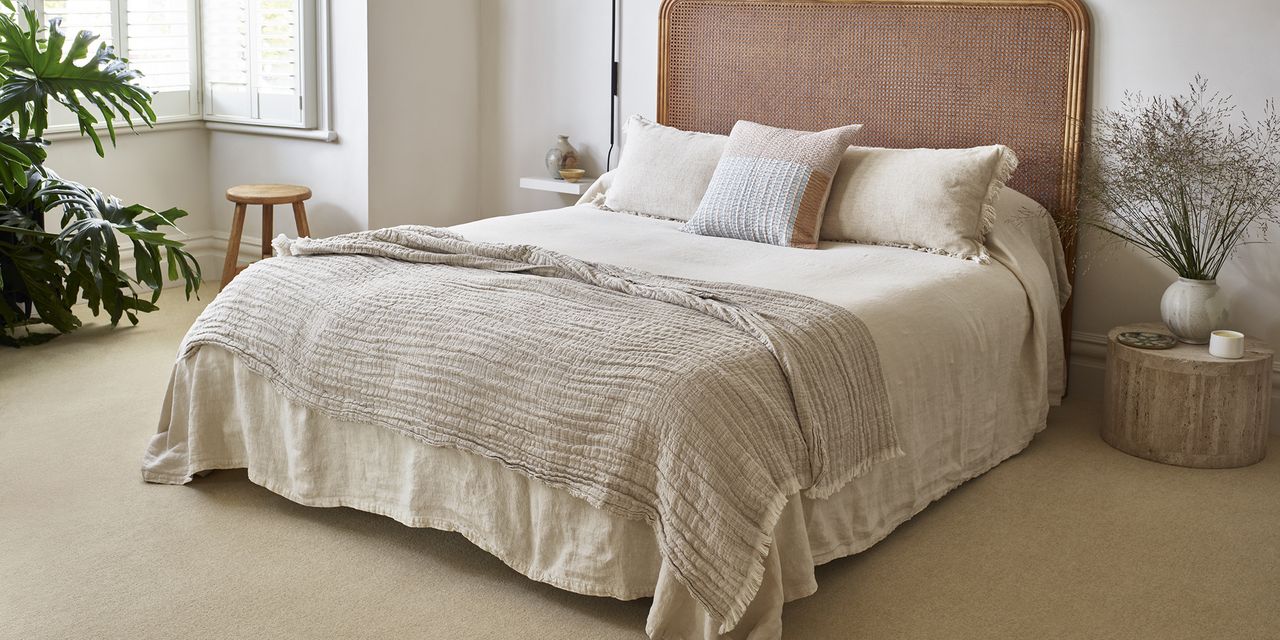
x=17 y=157
x=33 y=279
x=94 y=223
x=81 y=263
x=40 y=70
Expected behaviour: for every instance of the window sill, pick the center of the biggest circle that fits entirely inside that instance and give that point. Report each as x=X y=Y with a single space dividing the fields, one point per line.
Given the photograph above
x=323 y=135
x=71 y=132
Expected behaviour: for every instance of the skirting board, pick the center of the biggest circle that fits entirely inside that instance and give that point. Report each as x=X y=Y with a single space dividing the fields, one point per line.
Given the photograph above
x=1089 y=359
x=209 y=249
x=1088 y=350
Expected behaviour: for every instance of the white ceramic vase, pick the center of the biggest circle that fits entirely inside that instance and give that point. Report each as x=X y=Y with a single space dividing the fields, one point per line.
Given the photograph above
x=561 y=155
x=1192 y=309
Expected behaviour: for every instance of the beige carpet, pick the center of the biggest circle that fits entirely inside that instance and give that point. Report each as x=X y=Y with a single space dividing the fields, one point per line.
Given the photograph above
x=1070 y=539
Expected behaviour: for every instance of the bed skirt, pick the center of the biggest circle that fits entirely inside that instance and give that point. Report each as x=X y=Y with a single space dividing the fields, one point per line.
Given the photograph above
x=219 y=414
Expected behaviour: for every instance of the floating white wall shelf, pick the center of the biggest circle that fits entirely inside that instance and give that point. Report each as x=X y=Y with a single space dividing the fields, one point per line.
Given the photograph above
x=559 y=186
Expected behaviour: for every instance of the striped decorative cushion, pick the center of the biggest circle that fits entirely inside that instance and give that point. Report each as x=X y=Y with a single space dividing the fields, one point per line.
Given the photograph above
x=771 y=185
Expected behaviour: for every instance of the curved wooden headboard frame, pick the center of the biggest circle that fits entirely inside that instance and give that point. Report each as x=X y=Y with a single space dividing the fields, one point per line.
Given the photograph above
x=917 y=73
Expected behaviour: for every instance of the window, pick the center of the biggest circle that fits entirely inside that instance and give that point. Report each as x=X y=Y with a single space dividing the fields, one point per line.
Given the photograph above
x=256 y=54
x=244 y=61
x=156 y=37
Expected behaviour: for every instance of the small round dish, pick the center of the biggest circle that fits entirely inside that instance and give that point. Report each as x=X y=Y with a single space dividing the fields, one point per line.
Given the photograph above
x=572 y=175
x=1147 y=340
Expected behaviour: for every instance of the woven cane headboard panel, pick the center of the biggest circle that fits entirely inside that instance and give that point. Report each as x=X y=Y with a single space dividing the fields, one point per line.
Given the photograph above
x=917 y=73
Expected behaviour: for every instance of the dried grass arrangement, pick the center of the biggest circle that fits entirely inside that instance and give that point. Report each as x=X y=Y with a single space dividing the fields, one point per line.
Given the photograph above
x=1187 y=179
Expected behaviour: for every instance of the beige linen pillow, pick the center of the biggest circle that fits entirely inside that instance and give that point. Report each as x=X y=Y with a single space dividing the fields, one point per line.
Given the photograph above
x=663 y=171
x=933 y=200
x=771 y=185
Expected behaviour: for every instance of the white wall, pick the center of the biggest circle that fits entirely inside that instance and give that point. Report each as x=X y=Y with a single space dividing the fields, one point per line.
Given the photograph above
x=160 y=169
x=544 y=69
x=638 y=86
x=424 y=127
x=337 y=172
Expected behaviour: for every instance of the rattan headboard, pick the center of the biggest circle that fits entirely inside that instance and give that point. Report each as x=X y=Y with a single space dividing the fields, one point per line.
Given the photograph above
x=917 y=73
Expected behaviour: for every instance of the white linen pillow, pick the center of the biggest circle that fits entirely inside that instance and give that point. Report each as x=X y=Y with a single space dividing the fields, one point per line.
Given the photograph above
x=933 y=200
x=663 y=171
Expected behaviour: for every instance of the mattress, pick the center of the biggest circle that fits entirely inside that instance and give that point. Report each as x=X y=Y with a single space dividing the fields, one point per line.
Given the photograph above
x=971 y=355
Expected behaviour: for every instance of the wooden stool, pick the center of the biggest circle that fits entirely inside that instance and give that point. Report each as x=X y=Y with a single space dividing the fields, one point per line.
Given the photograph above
x=266 y=195
x=1183 y=406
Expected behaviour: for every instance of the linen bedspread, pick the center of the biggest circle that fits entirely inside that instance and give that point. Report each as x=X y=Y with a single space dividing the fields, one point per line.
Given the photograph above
x=699 y=407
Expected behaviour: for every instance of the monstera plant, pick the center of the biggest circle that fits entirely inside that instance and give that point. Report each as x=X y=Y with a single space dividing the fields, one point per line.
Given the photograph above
x=44 y=273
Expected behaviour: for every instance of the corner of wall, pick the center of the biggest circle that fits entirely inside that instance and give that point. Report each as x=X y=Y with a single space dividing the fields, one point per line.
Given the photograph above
x=424 y=128
x=168 y=167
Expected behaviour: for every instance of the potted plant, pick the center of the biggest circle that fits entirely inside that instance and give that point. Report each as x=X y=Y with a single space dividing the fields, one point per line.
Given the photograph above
x=1187 y=180
x=44 y=273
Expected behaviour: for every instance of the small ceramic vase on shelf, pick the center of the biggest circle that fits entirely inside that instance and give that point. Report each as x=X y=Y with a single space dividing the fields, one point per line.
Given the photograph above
x=1192 y=309
x=561 y=156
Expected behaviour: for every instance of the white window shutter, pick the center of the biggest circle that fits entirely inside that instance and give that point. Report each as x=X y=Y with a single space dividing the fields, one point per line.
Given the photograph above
x=156 y=37
x=277 y=76
x=84 y=15
x=159 y=39
x=225 y=31
x=254 y=52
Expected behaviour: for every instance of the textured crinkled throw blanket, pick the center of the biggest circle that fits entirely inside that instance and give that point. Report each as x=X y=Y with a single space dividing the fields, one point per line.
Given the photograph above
x=697 y=406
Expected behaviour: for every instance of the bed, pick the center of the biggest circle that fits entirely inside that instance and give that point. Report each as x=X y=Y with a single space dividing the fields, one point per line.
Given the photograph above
x=971 y=354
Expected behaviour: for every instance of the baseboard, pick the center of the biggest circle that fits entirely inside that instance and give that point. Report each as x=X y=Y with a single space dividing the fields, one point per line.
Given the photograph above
x=208 y=248
x=1089 y=359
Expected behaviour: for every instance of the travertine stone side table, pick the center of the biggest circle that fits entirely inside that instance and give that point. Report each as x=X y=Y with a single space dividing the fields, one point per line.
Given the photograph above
x=1183 y=406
